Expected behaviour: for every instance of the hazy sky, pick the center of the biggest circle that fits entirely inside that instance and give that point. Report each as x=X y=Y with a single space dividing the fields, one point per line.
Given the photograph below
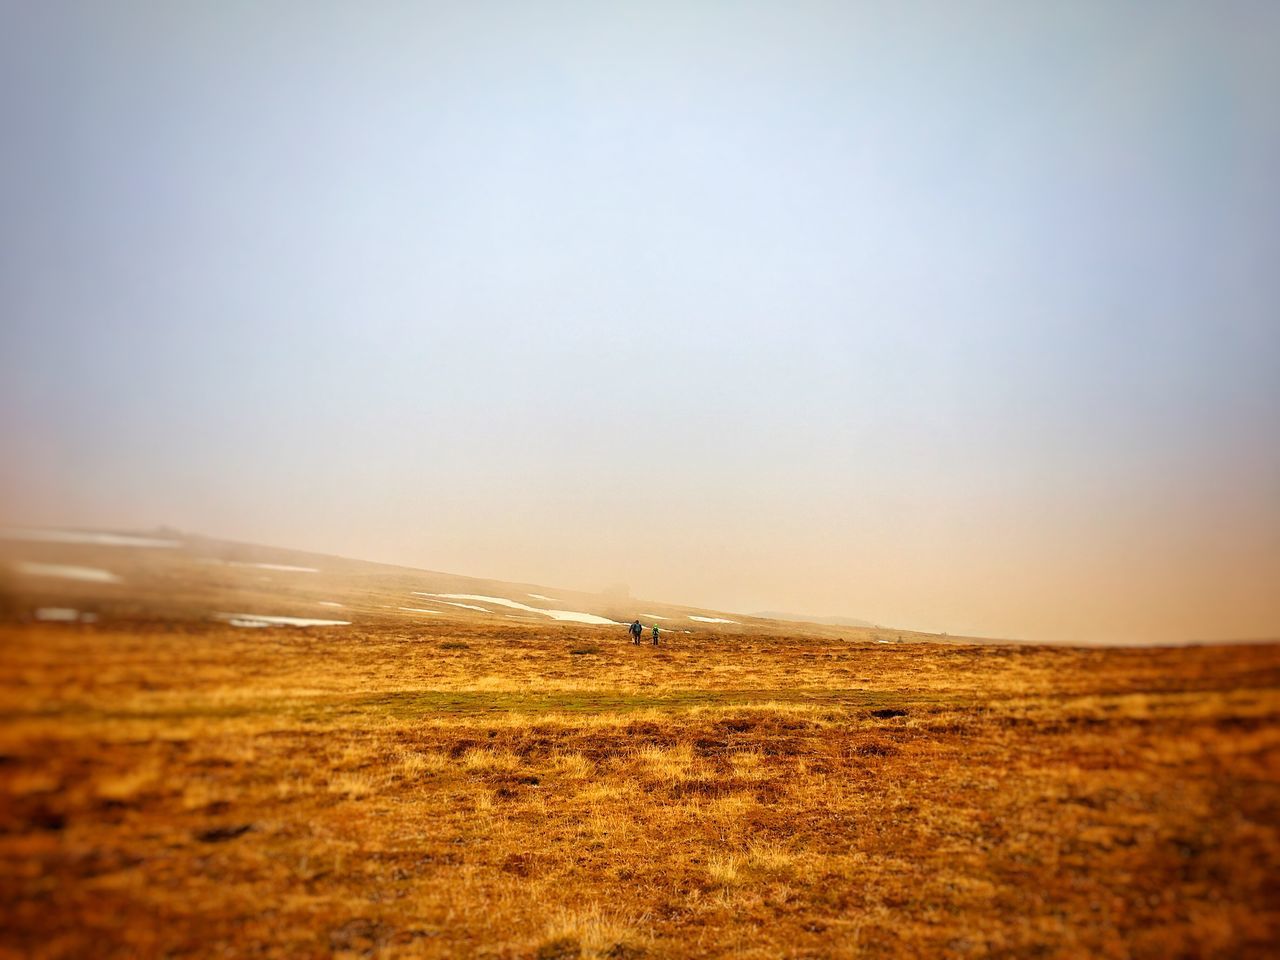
x=961 y=316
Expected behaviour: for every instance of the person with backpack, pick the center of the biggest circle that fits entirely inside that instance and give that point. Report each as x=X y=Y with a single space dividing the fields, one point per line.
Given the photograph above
x=636 y=630
x=655 y=634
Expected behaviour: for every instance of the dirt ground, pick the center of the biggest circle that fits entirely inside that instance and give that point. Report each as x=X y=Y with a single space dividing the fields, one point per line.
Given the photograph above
x=549 y=791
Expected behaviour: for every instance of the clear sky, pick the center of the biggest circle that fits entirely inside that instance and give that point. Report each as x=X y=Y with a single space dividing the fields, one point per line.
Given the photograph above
x=962 y=316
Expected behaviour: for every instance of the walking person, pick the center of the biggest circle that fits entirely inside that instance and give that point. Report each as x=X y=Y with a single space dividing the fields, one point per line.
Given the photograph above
x=655 y=634
x=636 y=630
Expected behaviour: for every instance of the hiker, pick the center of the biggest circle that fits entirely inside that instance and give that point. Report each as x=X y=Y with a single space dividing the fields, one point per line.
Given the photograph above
x=636 y=630
x=655 y=634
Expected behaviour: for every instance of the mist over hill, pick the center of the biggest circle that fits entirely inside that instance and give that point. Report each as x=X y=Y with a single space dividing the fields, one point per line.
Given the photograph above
x=805 y=618
x=103 y=576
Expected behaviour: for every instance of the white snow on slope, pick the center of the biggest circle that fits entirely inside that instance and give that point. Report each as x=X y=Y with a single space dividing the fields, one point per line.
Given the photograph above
x=653 y=616
x=328 y=603
x=66 y=572
x=421 y=610
x=65 y=615
x=62 y=614
x=566 y=615
x=262 y=620
x=538 y=596
x=712 y=620
x=275 y=566
x=34 y=535
x=465 y=606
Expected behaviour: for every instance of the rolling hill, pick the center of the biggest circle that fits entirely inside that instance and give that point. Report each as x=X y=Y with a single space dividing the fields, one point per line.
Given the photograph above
x=97 y=575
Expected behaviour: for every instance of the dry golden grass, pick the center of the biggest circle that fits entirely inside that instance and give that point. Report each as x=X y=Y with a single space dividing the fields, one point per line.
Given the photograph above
x=483 y=790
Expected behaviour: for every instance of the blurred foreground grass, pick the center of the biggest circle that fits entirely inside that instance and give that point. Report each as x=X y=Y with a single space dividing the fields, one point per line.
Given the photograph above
x=484 y=790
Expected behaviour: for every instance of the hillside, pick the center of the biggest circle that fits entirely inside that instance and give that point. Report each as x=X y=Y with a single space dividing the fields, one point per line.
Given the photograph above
x=167 y=575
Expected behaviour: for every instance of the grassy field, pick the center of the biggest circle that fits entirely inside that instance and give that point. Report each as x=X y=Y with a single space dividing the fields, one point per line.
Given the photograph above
x=551 y=791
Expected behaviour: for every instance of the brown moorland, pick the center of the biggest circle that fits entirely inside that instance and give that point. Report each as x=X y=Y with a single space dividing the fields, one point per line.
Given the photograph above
x=523 y=790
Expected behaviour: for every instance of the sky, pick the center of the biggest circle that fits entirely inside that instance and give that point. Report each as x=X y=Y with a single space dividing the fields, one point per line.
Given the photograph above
x=952 y=316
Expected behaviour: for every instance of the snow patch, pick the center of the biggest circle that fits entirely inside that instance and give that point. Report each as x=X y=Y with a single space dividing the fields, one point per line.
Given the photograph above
x=262 y=620
x=653 y=616
x=538 y=596
x=565 y=615
x=59 y=614
x=34 y=535
x=420 y=610
x=67 y=572
x=465 y=606
x=712 y=620
x=328 y=603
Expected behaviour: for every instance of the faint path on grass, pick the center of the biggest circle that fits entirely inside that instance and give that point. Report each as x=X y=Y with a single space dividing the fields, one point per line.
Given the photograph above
x=424 y=703
x=343 y=708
